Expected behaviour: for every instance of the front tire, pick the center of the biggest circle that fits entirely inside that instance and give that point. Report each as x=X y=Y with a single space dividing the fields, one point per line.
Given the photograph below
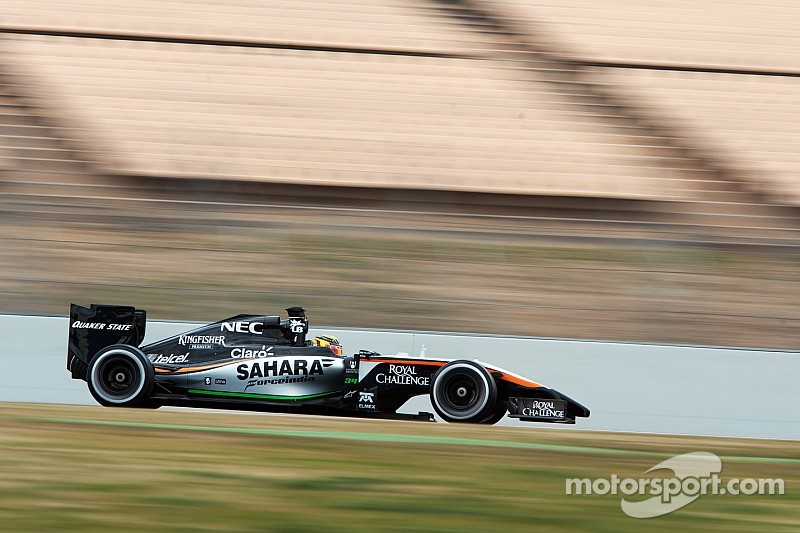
x=499 y=413
x=463 y=391
x=120 y=376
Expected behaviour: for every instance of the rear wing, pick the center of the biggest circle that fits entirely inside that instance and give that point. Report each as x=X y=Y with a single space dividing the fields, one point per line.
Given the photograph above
x=93 y=328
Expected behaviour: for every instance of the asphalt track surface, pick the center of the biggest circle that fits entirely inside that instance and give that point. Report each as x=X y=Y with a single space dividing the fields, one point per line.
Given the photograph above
x=628 y=387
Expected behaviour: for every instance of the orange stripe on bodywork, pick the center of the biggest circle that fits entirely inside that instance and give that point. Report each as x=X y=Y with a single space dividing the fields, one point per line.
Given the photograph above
x=501 y=374
x=519 y=380
x=188 y=369
x=404 y=361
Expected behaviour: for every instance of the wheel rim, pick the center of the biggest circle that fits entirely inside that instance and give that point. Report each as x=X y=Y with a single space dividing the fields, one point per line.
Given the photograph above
x=460 y=392
x=118 y=376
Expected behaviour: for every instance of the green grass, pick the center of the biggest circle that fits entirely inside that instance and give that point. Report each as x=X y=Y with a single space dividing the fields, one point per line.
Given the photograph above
x=181 y=470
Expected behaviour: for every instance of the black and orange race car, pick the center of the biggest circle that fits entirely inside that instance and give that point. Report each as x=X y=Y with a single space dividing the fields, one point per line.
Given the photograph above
x=266 y=363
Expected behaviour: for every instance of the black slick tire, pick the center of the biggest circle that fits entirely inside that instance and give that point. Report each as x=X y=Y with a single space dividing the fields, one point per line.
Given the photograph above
x=464 y=391
x=121 y=376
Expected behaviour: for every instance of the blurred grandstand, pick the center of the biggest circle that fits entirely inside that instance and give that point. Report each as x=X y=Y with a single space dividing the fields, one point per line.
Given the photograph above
x=615 y=170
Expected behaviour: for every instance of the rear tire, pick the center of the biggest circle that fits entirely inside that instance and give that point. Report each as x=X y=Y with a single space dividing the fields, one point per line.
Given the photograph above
x=464 y=391
x=121 y=376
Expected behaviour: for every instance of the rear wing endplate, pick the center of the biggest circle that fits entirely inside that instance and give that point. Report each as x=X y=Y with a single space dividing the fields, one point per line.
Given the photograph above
x=93 y=328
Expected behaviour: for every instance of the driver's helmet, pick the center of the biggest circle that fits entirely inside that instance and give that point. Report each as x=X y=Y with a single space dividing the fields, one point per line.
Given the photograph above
x=329 y=341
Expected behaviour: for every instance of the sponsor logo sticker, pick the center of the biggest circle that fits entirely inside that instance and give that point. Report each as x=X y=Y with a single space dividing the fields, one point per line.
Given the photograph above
x=279 y=368
x=278 y=381
x=256 y=328
x=172 y=359
x=537 y=408
x=544 y=409
x=101 y=325
x=402 y=375
x=197 y=342
x=366 y=400
x=248 y=353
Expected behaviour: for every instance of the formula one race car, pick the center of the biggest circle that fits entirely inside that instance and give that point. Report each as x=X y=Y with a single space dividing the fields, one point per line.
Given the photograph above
x=265 y=363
